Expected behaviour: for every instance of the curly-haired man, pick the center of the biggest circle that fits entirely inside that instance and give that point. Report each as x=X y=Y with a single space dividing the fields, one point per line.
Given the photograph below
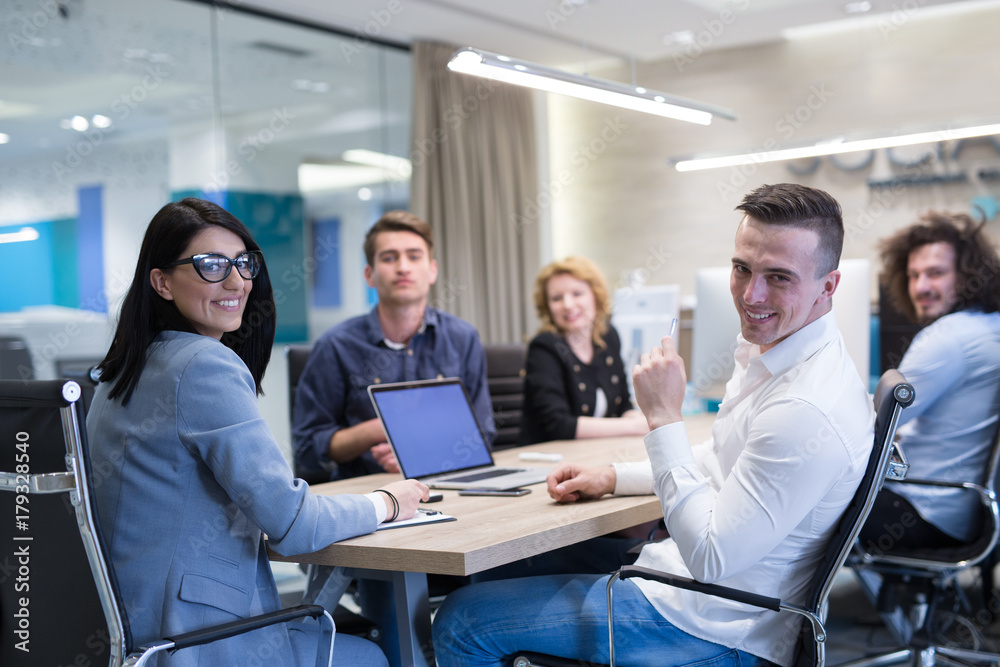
x=942 y=271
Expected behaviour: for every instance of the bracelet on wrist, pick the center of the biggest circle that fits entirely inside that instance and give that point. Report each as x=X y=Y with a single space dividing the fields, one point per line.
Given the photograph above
x=395 y=504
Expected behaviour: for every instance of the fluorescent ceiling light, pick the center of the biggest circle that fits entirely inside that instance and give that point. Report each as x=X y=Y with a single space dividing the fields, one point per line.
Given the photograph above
x=899 y=15
x=314 y=177
x=23 y=234
x=835 y=147
x=521 y=73
x=398 y=165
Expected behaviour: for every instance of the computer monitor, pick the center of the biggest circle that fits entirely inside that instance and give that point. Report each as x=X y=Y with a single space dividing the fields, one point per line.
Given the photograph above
x=713 y=339
x=642 y=317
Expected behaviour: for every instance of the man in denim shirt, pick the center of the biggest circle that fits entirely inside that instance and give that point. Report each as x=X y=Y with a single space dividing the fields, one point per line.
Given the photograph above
x=335 y=427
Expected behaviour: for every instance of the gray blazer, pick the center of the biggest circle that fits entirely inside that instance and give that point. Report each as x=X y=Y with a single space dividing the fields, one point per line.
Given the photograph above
x=187 y=477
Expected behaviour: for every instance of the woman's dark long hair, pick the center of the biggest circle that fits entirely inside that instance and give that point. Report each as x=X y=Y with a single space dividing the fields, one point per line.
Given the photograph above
x=145 y=313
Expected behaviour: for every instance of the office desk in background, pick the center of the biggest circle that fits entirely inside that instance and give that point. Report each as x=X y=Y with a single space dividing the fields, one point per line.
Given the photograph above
x=490 y=531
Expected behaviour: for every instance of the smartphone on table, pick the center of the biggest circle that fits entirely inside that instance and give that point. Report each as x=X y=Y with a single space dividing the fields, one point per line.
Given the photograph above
x=494 y=492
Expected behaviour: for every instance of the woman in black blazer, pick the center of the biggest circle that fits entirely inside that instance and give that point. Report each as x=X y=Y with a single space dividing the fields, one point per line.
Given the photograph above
x=575 y=384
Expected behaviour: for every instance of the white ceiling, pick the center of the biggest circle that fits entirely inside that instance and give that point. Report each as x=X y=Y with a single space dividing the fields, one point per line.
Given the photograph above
x=569 y=33
x=87 y=59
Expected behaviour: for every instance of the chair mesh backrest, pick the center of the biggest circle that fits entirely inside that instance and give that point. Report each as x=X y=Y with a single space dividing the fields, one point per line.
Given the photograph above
x=887 y=404
x=66 y=623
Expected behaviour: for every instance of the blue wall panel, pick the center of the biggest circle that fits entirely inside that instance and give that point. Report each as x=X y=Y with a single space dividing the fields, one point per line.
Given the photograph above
x=65 y=274
x=326 y=258
x=90 y=250
x=26 y=269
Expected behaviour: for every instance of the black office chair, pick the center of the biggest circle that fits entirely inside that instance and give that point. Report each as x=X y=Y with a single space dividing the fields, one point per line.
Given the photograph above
x=891 y=396
x=15 y=359
x=917 y=591
x=59 y=598
x=82 y=371
x=505 y=379
x=297 y=356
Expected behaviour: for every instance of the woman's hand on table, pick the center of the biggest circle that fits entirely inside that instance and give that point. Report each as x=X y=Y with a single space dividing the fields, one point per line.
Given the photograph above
x=408 y=493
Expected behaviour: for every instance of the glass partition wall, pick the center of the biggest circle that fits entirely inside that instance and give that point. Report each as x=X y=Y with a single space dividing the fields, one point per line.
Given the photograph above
x=111 y=108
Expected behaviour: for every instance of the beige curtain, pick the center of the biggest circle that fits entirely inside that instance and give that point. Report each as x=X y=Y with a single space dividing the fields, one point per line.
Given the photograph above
x=475 y=180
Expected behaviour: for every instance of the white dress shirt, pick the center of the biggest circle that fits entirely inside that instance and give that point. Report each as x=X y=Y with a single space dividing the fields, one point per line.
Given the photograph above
x=954 y=367
x=754 y=507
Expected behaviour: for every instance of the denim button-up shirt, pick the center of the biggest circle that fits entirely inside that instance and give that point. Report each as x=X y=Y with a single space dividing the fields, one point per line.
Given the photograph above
x=332 y=392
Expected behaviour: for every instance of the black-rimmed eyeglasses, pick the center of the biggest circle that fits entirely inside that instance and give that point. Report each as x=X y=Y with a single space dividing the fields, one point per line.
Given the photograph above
x=215 y=268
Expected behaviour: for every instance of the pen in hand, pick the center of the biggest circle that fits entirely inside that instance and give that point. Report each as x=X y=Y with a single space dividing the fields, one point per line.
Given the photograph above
x=673 y=327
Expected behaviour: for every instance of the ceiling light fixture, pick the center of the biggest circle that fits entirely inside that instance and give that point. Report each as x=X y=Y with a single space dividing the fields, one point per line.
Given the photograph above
x=521 y=73
x=835 y=147
x=392 y=163
x=4 y=138
x=23 y=234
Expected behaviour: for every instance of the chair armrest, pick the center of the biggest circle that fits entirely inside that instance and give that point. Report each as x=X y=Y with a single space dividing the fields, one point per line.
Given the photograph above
x=985 y=494
x=216 y=632
x=736 y=595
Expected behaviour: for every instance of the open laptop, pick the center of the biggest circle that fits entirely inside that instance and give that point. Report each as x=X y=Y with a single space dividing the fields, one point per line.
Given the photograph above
x=437 y=439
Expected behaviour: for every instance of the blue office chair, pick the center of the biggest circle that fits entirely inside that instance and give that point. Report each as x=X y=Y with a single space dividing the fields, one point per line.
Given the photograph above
x=892 y=395
x=59 y=597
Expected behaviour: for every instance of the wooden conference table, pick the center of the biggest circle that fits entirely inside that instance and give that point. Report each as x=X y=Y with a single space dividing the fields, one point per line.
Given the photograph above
x=489 y=531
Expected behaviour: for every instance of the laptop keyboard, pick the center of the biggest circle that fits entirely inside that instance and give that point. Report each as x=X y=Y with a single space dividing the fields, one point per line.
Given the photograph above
x=488 y=474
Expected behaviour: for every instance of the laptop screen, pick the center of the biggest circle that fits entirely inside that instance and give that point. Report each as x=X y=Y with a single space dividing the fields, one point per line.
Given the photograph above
x=431 y=426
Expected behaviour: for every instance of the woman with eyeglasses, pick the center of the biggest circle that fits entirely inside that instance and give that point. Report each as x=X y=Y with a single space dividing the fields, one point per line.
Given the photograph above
x=190 y=478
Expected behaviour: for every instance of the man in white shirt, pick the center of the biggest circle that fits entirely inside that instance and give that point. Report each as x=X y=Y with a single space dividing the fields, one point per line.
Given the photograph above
x=751 y=508
x=943 y=272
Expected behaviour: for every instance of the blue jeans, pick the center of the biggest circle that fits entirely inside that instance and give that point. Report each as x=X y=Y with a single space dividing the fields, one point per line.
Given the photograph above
x=566 y=615
x=348 y=651
x=594 y=556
